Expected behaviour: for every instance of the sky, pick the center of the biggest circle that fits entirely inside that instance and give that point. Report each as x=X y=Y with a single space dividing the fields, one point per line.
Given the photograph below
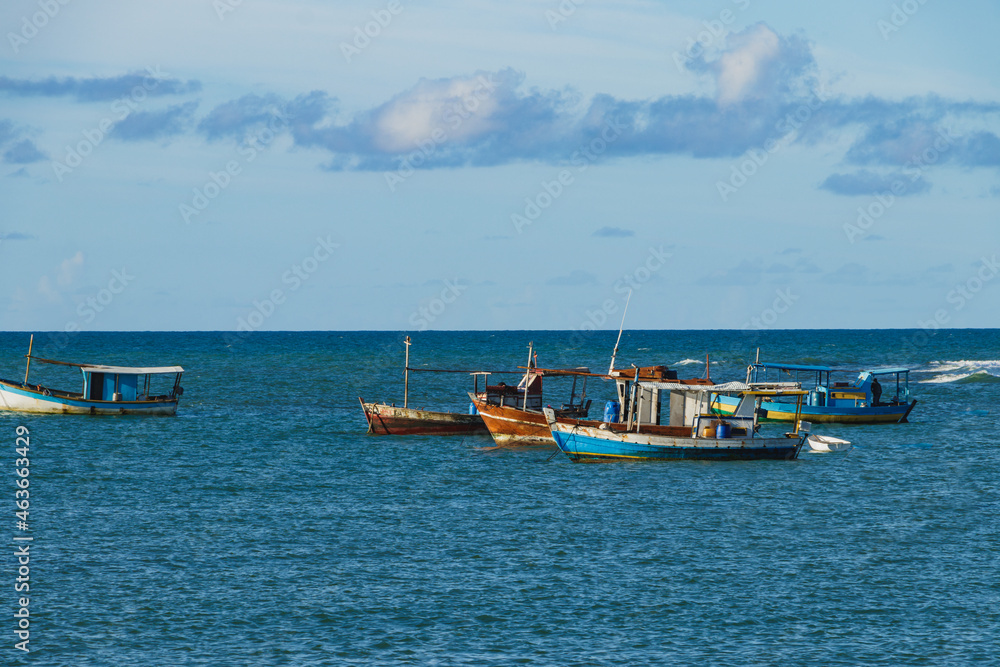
x=239 y=165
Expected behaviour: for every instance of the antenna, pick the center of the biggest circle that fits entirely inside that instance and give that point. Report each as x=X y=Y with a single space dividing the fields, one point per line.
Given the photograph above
x=620 y=328
x=406 y=374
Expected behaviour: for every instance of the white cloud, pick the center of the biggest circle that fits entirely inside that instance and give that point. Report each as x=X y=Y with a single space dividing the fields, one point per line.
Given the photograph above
x=67 y=273
x=462 y=106
x=740 y=69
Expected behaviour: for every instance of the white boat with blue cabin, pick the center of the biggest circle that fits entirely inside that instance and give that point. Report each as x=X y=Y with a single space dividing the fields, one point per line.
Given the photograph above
x=106 y=390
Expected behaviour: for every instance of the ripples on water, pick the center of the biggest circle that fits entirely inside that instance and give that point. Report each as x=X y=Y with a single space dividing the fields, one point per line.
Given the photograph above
x=262 y=526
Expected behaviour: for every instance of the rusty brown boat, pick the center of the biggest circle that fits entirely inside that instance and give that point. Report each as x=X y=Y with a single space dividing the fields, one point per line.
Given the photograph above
x=391 y=419
x=514 y=414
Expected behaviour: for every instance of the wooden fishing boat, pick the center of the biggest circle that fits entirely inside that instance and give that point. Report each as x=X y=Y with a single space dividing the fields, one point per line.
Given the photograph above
x=692 y=432
x=513 y=414
x=861 y=401
x=395 y=420
x=390 y=419
x=107 y=390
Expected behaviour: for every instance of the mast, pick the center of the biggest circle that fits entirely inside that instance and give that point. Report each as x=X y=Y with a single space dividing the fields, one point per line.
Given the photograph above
x=406 y=374
x=527 y=377
x=31 y=342
x=615 y=353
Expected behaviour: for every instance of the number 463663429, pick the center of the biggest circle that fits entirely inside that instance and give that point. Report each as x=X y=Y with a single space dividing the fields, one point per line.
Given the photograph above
x=22 y=447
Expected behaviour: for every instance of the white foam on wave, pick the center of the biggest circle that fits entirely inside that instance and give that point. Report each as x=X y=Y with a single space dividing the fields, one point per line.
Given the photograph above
x=688 y=362
x=954 y=371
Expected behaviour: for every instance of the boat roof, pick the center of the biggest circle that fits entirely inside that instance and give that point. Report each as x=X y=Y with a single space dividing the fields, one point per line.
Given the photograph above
x=695 y=388
x=120 y=370
x=884 y=370
x=796 y=367
x=759 y=389
x=887 y=370
x=130 y=370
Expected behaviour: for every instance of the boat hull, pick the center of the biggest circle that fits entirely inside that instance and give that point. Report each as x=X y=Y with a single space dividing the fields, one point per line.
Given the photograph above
x=392 y=420
x=776 y=412
x=594 y=444
x=19 y=398
x=513 y=427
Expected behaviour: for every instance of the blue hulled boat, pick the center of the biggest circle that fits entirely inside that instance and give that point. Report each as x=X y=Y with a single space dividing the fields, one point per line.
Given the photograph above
x=692 y=433
x=874 y=396
x=107 y=390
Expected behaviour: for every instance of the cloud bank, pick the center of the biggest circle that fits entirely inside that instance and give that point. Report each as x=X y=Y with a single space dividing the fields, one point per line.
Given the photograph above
x=15 y=148
x=96 y=89
x=766 y=90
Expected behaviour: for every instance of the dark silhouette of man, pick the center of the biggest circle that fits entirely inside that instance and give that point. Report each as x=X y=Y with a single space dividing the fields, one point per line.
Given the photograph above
x=876 y=392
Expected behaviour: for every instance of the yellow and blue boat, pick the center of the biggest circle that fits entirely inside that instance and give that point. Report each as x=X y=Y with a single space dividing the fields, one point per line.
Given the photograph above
x=874 y=396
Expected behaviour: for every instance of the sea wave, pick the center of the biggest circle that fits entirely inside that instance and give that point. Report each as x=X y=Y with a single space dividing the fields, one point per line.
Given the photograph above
x=962 y=371
x=688 y=362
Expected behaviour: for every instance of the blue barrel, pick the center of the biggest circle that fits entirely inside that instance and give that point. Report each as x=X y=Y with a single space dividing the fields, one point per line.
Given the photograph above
x=611 y=411
x=723 y=430
x=817 y=398
x=472 y=409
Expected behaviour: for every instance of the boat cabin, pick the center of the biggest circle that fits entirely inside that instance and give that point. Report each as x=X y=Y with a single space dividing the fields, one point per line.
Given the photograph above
x=122 y=383
x=690 y=406
x=872 y=387
x=527 y=394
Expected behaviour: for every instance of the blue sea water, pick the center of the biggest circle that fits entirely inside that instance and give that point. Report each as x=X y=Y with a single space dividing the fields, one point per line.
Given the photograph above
x=262 y=526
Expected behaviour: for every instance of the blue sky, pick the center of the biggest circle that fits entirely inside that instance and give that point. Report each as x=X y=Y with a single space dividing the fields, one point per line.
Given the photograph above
x=224 y=165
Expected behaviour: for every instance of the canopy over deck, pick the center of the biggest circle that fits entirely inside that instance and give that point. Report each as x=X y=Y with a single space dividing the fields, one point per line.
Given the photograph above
x=797 y=367
x=886 y=370
x=129 y=370
x=697 y=388
x=883 y=370
x=119 y=370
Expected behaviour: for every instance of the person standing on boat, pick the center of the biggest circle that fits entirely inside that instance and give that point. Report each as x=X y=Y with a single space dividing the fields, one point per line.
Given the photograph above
x=876 y=392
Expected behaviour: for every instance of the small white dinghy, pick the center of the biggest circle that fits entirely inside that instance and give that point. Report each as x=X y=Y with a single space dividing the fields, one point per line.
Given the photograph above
x=827 y=443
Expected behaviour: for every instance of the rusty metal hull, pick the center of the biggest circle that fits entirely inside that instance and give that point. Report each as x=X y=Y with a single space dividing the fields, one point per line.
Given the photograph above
x=511 y=426
x=393 y=420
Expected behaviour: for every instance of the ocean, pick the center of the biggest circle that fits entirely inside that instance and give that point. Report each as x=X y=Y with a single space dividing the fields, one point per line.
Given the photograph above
x=262 y=526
